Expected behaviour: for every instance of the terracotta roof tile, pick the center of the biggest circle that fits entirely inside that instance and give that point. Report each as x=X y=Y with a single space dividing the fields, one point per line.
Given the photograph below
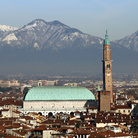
x=11 y=102
x=122 y=107
x=91 y=107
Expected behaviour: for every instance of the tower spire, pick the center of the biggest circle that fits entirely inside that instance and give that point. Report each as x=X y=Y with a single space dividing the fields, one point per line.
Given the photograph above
x=106 y=40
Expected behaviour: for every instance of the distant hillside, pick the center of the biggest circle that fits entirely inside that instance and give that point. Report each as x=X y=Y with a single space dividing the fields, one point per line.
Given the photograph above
x=130 y=41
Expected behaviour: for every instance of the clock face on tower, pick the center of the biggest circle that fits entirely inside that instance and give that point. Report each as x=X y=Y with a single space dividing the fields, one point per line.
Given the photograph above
x=108 y=66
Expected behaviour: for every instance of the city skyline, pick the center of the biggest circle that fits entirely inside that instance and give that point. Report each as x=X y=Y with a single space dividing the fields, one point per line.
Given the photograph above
x=92 y=17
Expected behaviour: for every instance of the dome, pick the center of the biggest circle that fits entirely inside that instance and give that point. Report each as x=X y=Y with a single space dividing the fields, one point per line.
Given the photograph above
x=63 y=93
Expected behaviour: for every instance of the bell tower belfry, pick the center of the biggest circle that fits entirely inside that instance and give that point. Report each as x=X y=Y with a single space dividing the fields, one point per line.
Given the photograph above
x=107 y=67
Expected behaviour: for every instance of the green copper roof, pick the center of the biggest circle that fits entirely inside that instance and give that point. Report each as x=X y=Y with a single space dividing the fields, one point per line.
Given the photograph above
x=59 y=93
x=106 y=40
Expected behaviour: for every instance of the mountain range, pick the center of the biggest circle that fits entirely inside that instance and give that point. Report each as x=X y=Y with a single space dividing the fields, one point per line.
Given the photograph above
x=53 y=47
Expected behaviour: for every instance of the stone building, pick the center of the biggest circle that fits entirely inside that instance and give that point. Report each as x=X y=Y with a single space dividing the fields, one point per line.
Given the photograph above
x=56 y=99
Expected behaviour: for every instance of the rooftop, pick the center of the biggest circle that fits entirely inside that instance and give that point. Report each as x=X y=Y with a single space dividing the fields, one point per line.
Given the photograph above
x=58 y=93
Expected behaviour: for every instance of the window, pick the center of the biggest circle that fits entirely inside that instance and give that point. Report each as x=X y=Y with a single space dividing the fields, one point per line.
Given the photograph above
x=111 y=128
x=108 y=66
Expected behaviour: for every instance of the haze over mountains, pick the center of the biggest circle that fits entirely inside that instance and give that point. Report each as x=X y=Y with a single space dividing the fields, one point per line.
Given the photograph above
x=53 y=47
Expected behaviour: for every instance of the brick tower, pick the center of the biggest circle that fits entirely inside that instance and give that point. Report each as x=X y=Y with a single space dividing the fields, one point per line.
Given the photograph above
x=107 y=67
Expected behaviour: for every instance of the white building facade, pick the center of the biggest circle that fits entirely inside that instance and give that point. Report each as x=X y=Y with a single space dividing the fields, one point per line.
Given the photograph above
x=56 y=99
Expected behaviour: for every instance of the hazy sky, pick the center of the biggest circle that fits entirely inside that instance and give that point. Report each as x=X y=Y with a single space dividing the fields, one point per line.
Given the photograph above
x=120 y=17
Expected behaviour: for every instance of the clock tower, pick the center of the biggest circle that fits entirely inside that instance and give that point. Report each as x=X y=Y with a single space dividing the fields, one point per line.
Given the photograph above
x=107 y=67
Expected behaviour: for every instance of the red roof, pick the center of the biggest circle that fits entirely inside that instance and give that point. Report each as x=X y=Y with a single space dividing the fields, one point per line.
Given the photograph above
x=5 y=110
x=91 y=107
x=11 y=102
x=121 y=98
x=122 y=107
x=77 y=112
x=108 y=133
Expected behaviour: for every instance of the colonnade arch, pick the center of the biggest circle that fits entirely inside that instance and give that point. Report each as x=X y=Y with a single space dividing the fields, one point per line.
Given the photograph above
x=47 y=113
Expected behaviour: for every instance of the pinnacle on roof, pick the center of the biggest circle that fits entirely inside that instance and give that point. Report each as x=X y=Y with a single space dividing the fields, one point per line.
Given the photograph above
x=98 y=89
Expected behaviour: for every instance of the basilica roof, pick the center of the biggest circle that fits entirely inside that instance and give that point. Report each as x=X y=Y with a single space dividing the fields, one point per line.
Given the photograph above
x=58 y=93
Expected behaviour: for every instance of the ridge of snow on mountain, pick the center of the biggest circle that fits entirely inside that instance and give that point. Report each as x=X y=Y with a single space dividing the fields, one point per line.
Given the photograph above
x=130 y=41
x=6 y=28
x=55 y=35
x=10 y=37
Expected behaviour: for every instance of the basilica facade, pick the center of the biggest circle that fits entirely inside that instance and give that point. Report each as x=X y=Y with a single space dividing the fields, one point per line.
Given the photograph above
x=57 y=99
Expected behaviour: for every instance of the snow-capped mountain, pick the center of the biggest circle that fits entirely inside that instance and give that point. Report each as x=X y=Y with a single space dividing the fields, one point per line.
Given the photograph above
x=40 y=46
x=40 y=34
x=55 y=35
x=130 y=41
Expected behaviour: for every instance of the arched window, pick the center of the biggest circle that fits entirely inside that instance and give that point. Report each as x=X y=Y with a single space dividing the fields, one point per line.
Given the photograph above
x=50 y=114
x=40 y=113
x=108 y=66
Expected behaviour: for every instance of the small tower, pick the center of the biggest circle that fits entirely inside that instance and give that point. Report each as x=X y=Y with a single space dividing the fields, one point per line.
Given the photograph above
x=104 y=101
x=107 y=67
